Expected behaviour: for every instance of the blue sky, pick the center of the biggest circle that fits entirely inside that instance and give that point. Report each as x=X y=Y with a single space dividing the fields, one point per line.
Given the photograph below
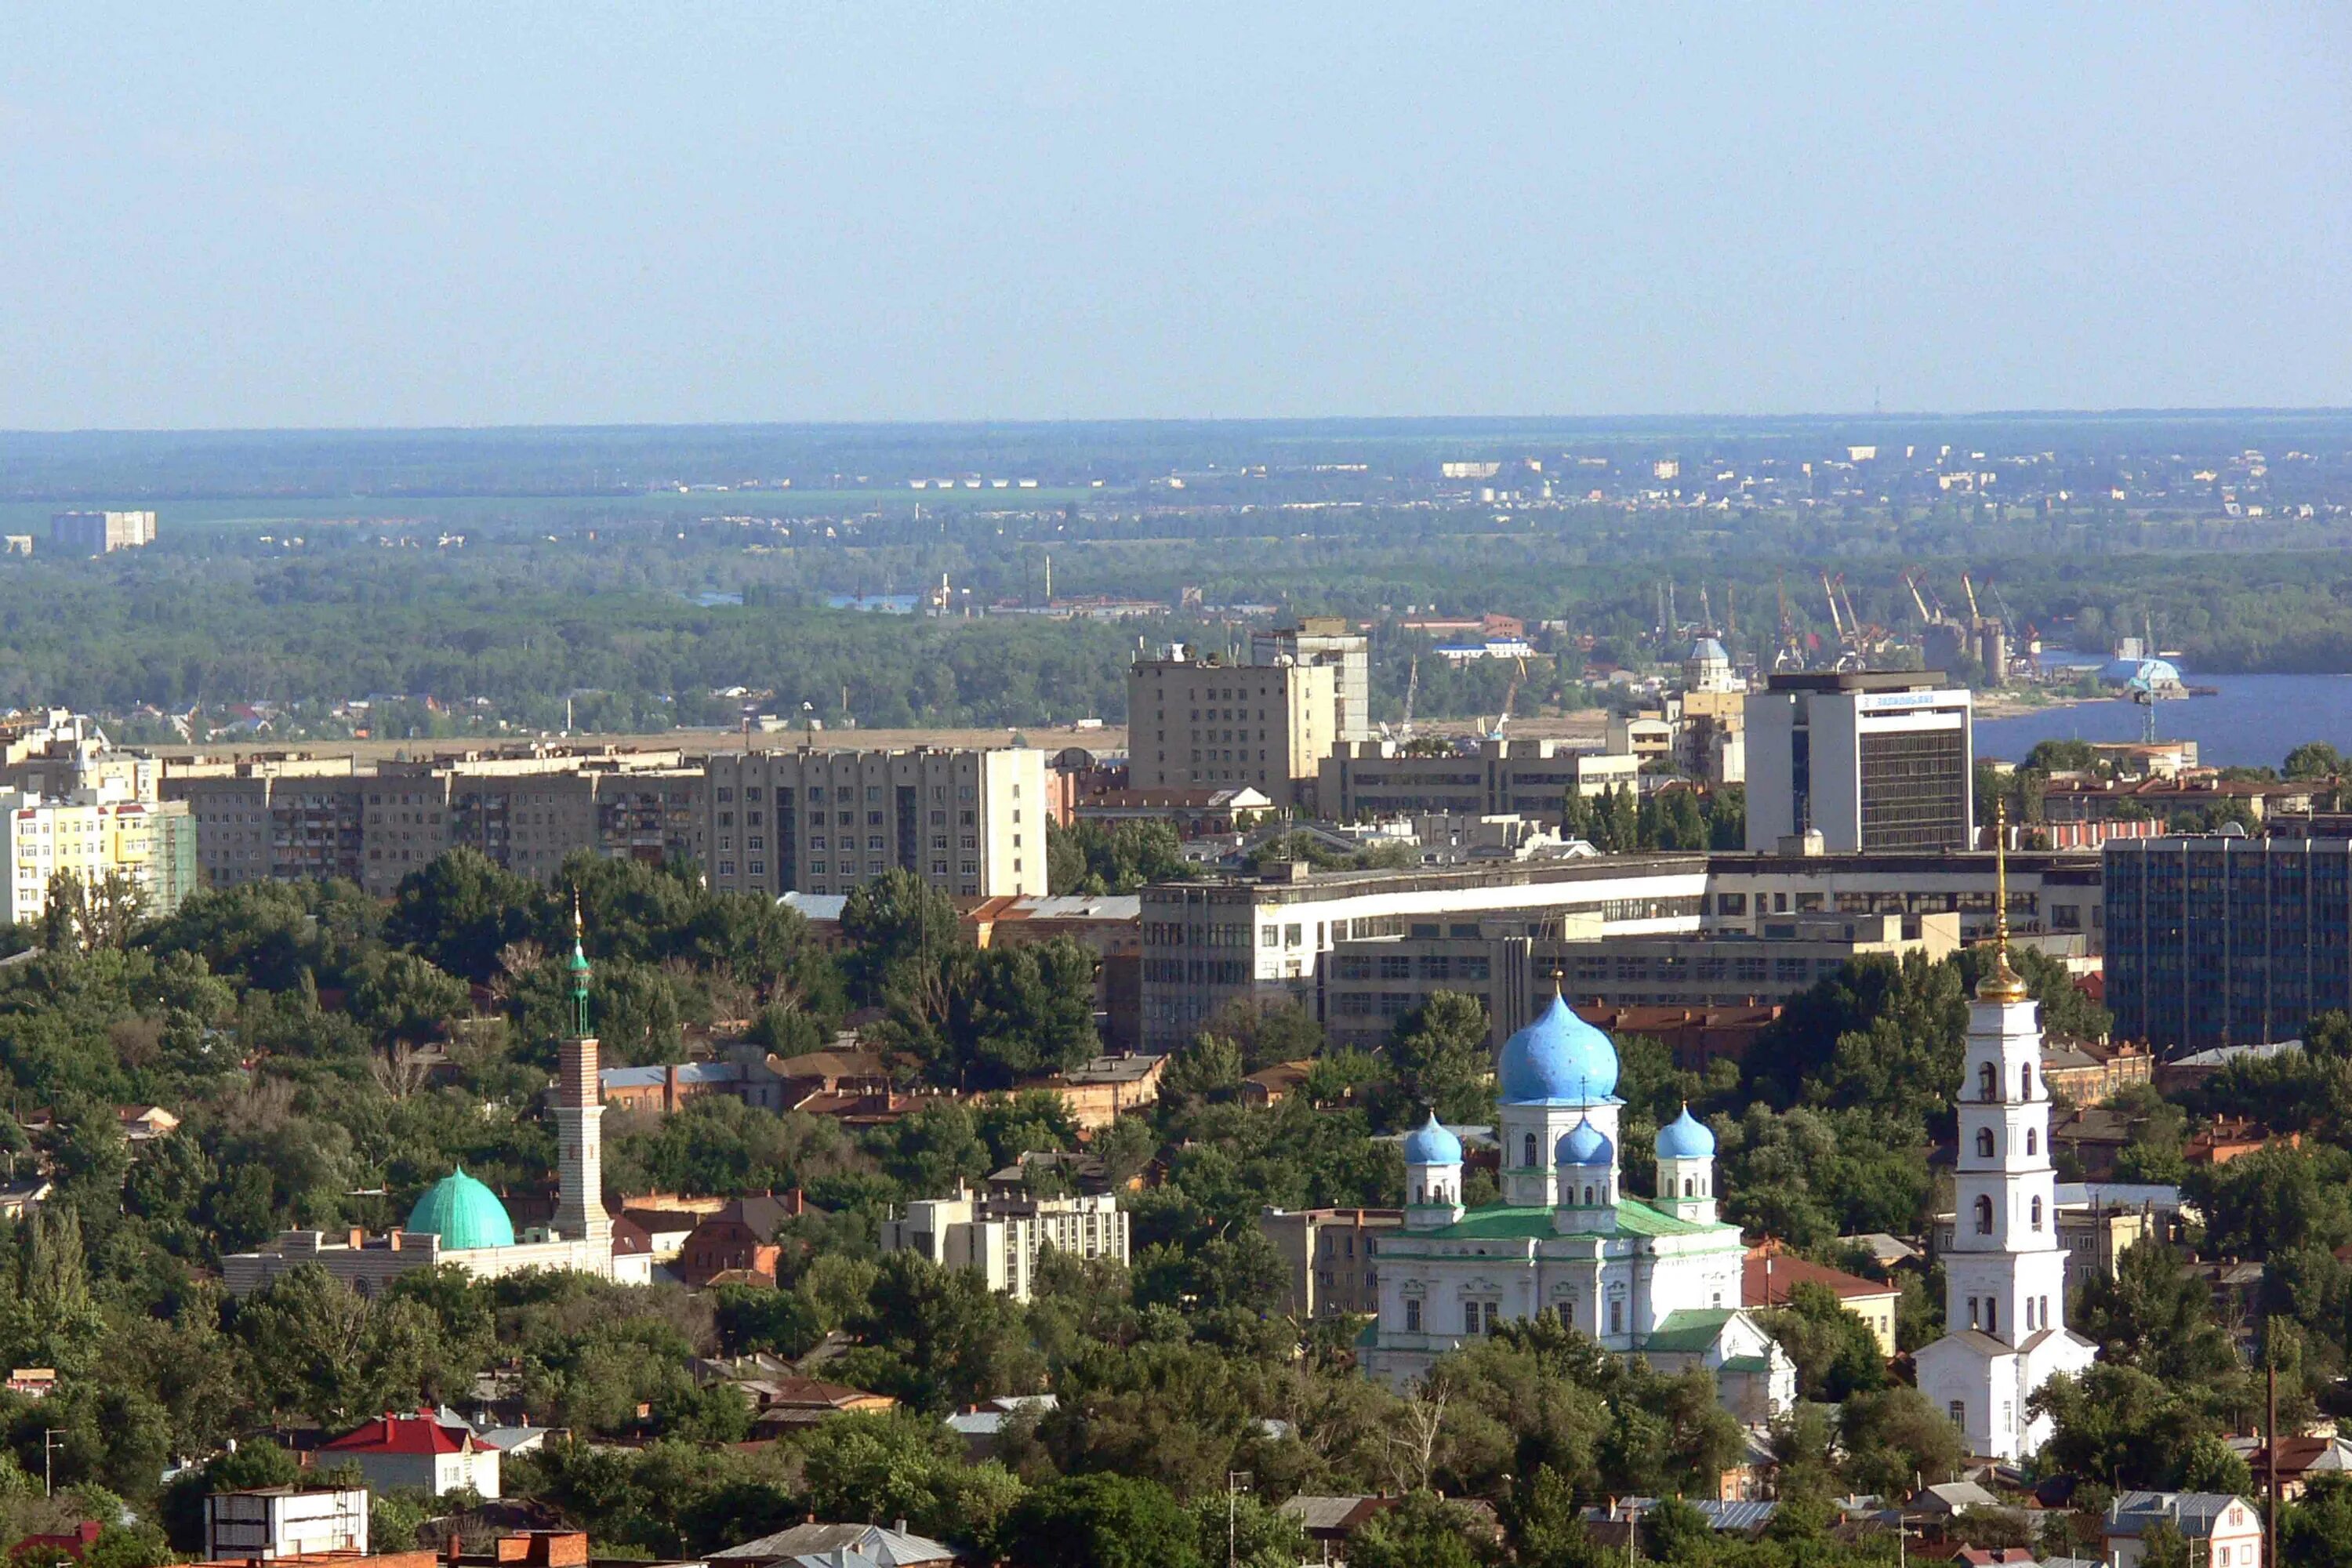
x=376 y=215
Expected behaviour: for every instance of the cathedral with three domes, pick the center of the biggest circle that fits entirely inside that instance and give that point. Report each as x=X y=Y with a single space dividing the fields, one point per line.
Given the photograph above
x=1655 y=1275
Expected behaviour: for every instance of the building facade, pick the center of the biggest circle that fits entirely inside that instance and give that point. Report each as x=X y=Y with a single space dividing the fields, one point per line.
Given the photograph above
x=1207 y=944
x=968 y=822
x=89 y=837
x=1003 y=1237
x=1326 y=640
x=1365 y=779
x=2219 y=940
x=1332 y=1255
x=264 y=1523
x=1371 y=983
x=1871 y=760
x=1201 y=723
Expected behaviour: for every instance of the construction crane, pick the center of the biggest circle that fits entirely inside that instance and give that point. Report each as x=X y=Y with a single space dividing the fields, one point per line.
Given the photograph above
x=1911 y=580
x=1836 y=622
x=1974 y=613
x=1412 y=689
x=1510 y=695
x=1852 y=621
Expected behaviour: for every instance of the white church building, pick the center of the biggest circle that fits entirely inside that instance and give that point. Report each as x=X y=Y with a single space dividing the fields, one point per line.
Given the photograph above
x=1656 y=1277
x=2005 y=1274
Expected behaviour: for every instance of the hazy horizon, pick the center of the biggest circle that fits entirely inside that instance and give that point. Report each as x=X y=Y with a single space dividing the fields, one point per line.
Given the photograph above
x=270 y=218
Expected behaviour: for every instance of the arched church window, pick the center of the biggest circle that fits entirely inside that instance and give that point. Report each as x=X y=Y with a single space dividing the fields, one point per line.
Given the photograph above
x=2037 y=1214
x=1588 y=1195
x=2033 y=1142
x=1984 y=1142
x=1531 y=1151
x=2025 y=1077
x=1984 y=1216
x=1687 y=1187
x=1985 y=1082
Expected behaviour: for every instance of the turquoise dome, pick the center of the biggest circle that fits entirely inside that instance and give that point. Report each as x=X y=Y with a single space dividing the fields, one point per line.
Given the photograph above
x=463 y=1212
x=1685 y=1138
x=1559 y=1059
x=1584 y=1144
x=1432 y=1144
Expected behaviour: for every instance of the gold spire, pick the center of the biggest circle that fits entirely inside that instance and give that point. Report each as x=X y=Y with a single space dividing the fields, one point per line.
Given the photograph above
x=2000 y=982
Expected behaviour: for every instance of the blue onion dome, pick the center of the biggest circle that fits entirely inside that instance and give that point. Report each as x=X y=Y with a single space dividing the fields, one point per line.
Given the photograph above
x=1584 y=1144
x=1685 y=1138
x=1432 y=1144
x=1559 y=1059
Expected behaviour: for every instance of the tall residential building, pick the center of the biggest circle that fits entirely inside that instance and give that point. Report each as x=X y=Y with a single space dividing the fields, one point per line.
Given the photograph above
x=311 y=818
x=970 y=822
x=90 y=835
x=1331 y=640
x=2219 y=940
x=1871 y=760
x=1002 y=1238
x=101 y=532
x=2005 y=1274
x=1201 y=723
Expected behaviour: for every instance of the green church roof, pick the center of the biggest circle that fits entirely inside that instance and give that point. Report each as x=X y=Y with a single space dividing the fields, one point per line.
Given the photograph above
x=463 y=1212
x=1506 y=1222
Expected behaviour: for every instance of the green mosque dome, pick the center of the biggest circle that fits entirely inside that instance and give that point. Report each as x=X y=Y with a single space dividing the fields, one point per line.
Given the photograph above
x=463 y=1212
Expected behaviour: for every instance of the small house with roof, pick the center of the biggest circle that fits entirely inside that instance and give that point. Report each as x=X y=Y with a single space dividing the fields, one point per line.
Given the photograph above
x=2223 y=1531
x=417 y=1448
x=1656 y=1277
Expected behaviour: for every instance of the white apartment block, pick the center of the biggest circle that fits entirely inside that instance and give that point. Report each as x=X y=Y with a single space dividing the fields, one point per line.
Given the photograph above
x=101 y=532
x=1201 y=723
x=1002 y=1238
x=971 y=822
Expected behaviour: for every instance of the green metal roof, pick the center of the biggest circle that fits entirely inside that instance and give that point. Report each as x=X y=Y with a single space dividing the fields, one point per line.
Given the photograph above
x=1693 y=1329
x=463 y=1212
x=1503 y=1222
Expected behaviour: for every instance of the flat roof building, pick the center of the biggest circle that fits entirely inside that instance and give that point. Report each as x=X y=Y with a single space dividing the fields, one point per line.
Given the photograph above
x=1871 y=760
x=969 y=821
x=1533 y=778
x=1201 y=723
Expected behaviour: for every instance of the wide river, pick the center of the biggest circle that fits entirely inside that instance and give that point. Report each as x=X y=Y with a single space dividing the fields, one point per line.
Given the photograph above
x=2254 y=722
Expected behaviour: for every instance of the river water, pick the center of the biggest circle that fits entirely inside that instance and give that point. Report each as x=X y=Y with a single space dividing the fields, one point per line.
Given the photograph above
x=2255 y=721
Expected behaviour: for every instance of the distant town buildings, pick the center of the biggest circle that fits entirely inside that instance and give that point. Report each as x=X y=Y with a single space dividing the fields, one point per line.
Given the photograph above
x=101 y=532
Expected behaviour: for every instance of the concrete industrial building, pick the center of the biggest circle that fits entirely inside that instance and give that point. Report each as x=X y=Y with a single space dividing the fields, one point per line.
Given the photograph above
x=2221 y=940
x=1004 y=1238
x=1209 y=944
x=101 y=532
x=970 y=822
x=1365 y=779
x=1326 y=640
x=1201 y=723
x=1871 y=760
